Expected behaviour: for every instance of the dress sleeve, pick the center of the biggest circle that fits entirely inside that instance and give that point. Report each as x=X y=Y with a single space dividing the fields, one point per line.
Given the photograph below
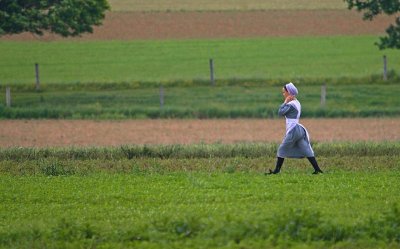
x=284 y=109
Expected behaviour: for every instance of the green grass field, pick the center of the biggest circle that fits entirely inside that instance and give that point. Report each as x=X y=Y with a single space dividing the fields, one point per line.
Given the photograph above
x=196 y=101
x=288 y=58
x=209 y=5
x=62 y=199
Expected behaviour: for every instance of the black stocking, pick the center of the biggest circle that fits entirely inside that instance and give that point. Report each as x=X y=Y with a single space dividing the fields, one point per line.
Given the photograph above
x=315 y=165
x=279 y=162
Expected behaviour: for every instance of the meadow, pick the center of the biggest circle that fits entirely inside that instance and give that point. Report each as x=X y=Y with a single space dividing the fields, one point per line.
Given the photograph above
x=199 y=196
x=288 y=58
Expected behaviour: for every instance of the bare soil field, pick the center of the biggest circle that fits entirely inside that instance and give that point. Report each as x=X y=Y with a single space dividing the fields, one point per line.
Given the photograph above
x=226 y=24
x=61 y=133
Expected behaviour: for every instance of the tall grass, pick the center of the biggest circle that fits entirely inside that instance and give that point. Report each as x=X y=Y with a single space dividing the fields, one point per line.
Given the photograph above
x=247 y=150
x=288 y=58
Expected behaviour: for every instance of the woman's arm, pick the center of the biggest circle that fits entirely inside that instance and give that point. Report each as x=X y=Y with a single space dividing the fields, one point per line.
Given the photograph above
x=283 y=109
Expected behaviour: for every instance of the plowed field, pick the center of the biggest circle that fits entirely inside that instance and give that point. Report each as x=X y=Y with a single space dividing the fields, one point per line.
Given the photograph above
x=46 y=133
x=227 y=24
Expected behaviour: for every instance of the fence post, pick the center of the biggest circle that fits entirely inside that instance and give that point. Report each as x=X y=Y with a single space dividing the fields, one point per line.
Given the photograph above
x=8 y=96
x=161 y=96
x=37 y=76
x=212 y=72
x=323 y=95
x=384 y=68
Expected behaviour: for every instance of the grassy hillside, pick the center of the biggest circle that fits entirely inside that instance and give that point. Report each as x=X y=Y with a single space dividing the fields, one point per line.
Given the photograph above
x=209 y=5
x=188 y=60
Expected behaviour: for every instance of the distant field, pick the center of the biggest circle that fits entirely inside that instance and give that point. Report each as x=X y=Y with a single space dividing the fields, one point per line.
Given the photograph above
x=343 y=100
x=210 y=5
x=187 y=60
x=225 y=24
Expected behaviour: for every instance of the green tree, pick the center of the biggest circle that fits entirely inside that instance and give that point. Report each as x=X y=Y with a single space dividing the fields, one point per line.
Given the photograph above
x=373 y=8
x=62 y=17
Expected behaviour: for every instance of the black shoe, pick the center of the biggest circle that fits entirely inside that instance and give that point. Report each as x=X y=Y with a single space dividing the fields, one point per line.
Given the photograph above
x=317 y=172
x=271 y=172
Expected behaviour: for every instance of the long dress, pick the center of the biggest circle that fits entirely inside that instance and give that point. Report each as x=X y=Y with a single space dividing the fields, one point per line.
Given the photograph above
x=296 y=143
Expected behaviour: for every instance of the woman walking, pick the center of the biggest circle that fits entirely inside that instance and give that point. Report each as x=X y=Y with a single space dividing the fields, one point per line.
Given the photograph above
x=296 y=143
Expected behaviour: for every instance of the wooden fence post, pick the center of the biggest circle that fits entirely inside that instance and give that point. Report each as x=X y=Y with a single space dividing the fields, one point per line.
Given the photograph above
x=161 y=96
x=323 y=95
x=212 y=72
x=384 y=68
x=8 y=96
x=37 y=76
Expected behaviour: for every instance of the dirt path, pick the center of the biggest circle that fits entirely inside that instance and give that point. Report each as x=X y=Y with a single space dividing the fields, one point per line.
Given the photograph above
x=228 y=24
x=45 y=133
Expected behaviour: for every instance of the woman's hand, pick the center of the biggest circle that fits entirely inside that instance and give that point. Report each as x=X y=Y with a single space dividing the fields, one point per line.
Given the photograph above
x=289 y=98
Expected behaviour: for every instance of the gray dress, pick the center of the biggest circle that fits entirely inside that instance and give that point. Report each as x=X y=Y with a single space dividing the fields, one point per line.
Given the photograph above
x=296 y=143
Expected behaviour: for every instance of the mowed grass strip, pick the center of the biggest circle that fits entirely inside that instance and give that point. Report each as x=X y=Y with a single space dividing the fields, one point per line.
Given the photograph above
x=187 y=60
x=353 y=209
x=209 y=5
x=196 y=101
